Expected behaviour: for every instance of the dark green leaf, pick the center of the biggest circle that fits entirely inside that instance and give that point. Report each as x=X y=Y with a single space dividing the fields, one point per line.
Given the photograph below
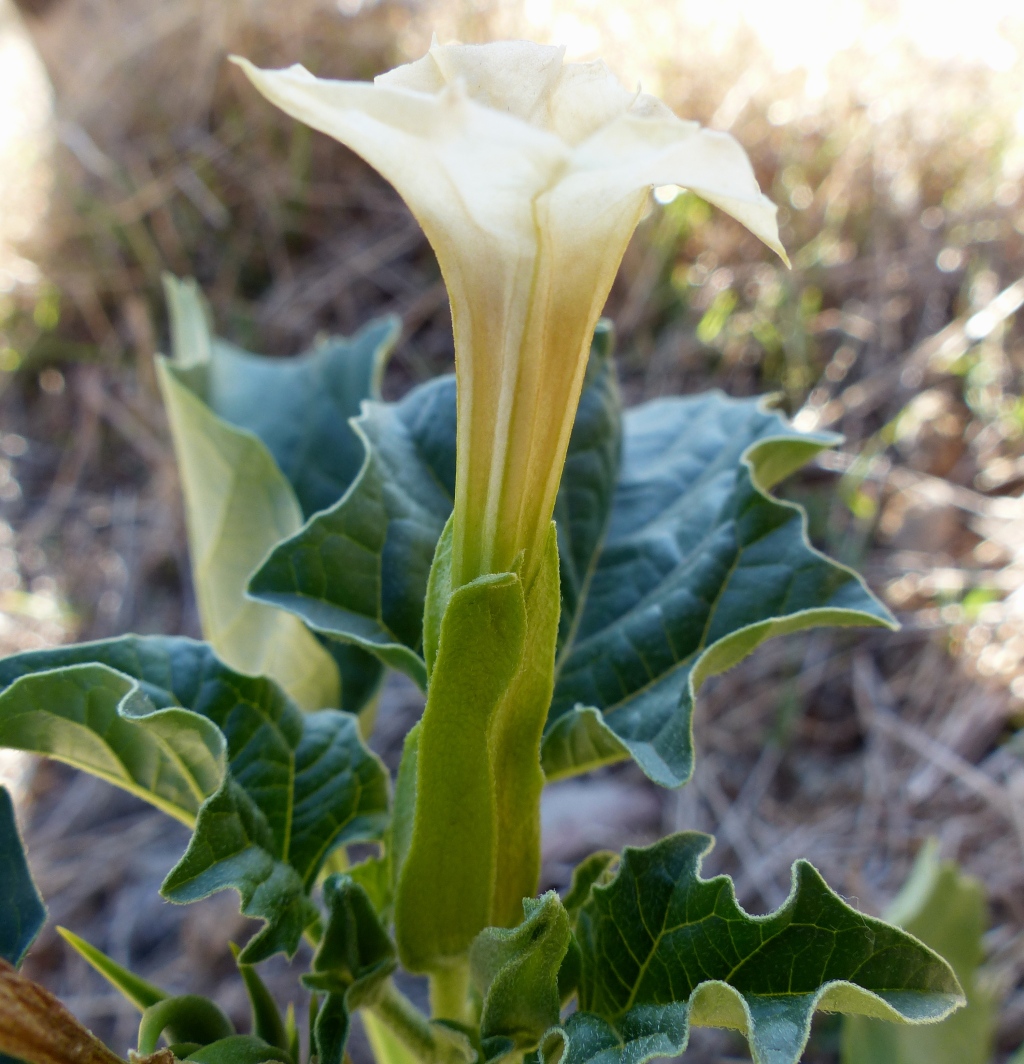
x=22 y=912
x=355 y=953
x=359 y=571
x=188 y=1018
x=338 y=795
x=239 y=1049
x=663 y=949
x=598 y=868
x=300 y=407
x=515 y=972
x=354 y=957
x=84 y=705
x=266 y=1017
x=947 y=911
x=261 y=444
x=698 y=567
x=584 y=501
x=137 y=990
x=296 y=786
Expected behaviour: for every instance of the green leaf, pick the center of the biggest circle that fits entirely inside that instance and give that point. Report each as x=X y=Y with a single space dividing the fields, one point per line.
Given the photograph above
x=337 y=795
x=598 y=868
x=187 y=1018
x=359 y=571
x=237 y=506
x=947 y=911
x=387 y=1049
x=475 y=848
x=698 y=567
x=239 y=1049
x=22 y=912
x=680 y=572
x=263 y=443
x=291 y=1031
x=583 y=506
x=137 y=990
x=84 y=705
x=354 y=957
x=403 y=811
x=271 y=790
x=447 y=878
x=266 y=1018
x=663 y=949
x=374 y=875
x=515 y=972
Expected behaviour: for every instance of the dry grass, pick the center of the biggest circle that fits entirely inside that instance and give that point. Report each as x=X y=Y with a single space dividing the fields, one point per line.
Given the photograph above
x=900 y=179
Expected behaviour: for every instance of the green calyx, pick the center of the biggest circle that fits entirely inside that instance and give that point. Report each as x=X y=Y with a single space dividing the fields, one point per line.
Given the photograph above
x=474 y=851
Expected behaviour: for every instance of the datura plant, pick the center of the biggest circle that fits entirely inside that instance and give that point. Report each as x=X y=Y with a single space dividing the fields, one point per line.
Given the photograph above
x=558 y=575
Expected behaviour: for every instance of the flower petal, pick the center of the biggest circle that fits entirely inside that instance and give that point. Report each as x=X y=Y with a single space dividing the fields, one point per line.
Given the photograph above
x=511 y=76
x=654 y=147
x=528 y=176
x=453 y=161
x=586 y=97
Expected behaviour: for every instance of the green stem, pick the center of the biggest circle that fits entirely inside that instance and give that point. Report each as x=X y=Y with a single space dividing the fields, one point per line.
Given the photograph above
x=449 y=993
x=428 y=1042
x=387 y=1049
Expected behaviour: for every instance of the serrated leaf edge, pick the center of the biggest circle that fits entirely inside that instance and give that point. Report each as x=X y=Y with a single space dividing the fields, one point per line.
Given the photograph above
x=555 y=1042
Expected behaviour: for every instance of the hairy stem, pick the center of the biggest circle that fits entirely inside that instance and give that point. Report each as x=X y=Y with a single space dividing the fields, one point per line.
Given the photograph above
x=449 y=993
x=426 y=1041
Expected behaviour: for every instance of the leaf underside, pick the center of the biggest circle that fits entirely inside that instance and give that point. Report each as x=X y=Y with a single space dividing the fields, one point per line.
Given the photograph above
x=675 y=562
x=387 y=527
x=263 y=443
x=663 y=949
x=270 y=790
x=358 y=571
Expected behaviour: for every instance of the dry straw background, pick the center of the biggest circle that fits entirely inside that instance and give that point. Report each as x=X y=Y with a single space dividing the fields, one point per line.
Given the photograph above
x=899 y=169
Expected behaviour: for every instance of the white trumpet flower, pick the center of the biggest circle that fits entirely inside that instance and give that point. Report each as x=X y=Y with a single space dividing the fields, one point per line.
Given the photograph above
x=528 y=176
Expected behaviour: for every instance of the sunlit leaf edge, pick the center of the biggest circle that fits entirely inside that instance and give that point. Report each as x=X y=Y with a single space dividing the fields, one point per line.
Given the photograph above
x=585 y=726
x=650 y=1031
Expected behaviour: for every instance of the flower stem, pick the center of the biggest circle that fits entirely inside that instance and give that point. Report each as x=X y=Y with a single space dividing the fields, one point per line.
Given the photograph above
x=427 y=1042
x=449 y=993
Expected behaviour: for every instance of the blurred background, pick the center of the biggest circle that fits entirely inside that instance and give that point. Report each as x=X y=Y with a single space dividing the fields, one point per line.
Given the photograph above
x=891 y=134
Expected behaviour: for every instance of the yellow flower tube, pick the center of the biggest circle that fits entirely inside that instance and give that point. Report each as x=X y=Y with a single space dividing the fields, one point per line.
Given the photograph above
x=528 y=175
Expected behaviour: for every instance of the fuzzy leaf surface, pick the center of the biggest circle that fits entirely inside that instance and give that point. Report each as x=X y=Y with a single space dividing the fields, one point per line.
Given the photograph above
x=270 y=790
x=515 y=971
x=22 y=912
x=698 y=567
x=358 y=572
x=354 y=957
x=663 y=949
